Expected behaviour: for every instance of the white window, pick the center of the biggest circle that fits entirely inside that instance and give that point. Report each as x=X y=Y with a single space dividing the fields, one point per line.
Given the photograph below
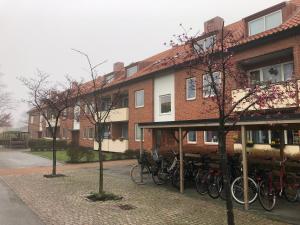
x=273 y=73
x=137 y=131
x=131 y=70
x=165 y=104
x=191 y=88
x=31 y=119
x=208 y=84
x=192 y=137
x=264 y=23
x=211 y=137
x=109 y=78
x=205 y=44
x=139 y=99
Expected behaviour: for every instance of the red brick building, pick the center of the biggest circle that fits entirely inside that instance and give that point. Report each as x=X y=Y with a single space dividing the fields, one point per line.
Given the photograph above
x=157 y=92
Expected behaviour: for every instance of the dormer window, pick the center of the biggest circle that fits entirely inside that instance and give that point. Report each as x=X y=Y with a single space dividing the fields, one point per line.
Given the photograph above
x=109 y=78
x=264 y=23
x=205 y=43
x=131 y=70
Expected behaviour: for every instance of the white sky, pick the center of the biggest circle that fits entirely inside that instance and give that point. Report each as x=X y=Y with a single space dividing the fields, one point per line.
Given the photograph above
x=40 y=33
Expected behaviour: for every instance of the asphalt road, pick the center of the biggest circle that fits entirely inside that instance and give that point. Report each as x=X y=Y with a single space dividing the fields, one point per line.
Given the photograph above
x=20 y=159
x=13 y=210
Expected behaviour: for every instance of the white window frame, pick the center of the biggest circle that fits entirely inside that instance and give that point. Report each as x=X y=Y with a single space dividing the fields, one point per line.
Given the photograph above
x=264 y=18
x=135 y=98
x=260 y=69
x=211 y=92
x=203 y=42
x=31 y=119
x=187 y=88
x=130 y=68
x=166 y=113
x=136 y=127
x=188 y=137
x=208 y=142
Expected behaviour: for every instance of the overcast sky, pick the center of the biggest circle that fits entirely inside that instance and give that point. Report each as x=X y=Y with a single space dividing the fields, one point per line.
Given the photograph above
x=40 y=33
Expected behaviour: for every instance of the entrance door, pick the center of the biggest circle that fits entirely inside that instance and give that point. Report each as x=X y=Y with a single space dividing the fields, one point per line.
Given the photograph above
x=75 y=137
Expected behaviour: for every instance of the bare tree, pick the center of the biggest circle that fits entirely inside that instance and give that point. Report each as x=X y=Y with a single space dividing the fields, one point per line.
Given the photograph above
x=213 y=59
x=95 y=108
x=50 y=101
x=5 y=107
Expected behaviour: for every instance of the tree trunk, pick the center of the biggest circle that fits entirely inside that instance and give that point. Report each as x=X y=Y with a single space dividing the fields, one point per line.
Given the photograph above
x=54 y=155
x=100 y=167
x=226 y=176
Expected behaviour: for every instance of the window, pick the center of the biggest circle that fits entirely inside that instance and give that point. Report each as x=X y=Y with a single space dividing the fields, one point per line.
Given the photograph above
x=139 y=99
x=124 y=101
x=131 y=70
x=210 y=137
x=259 y=136
x=124 y=131
x=205 y=44
x=208 y=84
x=104 y=131
x=106 y=104
x=91 y=133
x=138 y=133
x=31 y=119
x=64 y=113
x=191 y=88
x=77 y=112
x=109 y=78
x=165 y=103
x=292 y=137
x=192 y=137
x=265 y=23
x=273 y=73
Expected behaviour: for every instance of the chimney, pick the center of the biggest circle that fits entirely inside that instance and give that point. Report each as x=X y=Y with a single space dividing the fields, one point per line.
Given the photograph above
x=118 y=66
x=213 y=24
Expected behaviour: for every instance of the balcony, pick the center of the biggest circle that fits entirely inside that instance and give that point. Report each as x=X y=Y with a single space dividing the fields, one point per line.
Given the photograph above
x=52 y=122
x=288 y=92
x=118 y=115
x=113 y=145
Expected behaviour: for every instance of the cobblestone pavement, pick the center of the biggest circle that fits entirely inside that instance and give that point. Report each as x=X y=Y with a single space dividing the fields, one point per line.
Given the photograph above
x=61 y=201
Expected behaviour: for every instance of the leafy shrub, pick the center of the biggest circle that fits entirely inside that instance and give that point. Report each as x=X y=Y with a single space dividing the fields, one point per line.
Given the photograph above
x=132 y=154
x=77 y=153
x=46 y=144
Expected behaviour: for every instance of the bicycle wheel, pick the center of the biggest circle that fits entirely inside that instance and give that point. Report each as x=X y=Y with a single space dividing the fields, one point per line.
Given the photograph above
x=176 y=178
x=267 y=197
x=135 y=174
x=201 y=182
x=214 y=187
x=291 y=188
x=237 y=190
x=158 y=176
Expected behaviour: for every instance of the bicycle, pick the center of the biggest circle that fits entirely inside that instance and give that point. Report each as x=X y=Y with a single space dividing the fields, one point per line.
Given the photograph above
x=142 y=172
x=270 y=188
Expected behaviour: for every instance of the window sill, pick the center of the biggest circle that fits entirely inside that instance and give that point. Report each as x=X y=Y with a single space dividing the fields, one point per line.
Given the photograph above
x=137 y=107
x=192 y=142
x=211 y=143
x=190 y=99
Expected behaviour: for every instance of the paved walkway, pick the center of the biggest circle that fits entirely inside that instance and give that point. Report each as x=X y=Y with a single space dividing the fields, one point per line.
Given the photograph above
x=62 y=201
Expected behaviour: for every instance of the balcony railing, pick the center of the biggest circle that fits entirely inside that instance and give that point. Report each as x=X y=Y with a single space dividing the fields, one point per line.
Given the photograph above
x=118 y=115
x=113 y=145
x=285 y=95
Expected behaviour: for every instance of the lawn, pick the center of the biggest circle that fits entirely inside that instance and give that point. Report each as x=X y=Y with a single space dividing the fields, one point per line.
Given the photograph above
x=63 y=157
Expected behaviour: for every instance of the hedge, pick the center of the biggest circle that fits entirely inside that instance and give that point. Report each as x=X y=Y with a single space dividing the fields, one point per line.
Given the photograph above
x=46 y=144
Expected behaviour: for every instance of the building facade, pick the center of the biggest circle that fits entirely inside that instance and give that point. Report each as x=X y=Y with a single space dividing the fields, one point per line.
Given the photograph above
x=155 y=91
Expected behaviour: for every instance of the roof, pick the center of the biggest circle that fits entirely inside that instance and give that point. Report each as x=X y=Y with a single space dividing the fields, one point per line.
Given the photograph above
x=180 y=54
x=206 y=124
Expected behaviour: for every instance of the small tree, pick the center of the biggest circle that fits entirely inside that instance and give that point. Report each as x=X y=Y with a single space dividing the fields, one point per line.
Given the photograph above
x=92 y=107
x=213 y=60
x=50 y=101
x=5 y=107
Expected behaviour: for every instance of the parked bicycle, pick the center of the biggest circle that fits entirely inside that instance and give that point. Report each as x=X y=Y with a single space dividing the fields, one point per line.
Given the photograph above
x=270 y=188
x=145 y=170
